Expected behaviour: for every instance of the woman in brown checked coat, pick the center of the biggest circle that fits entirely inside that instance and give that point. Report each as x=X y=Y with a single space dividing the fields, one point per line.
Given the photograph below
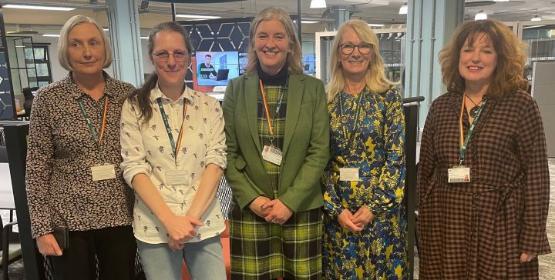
x=491 y=225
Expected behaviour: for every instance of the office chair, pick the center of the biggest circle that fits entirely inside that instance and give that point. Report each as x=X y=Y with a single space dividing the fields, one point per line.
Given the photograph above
x=11 y=252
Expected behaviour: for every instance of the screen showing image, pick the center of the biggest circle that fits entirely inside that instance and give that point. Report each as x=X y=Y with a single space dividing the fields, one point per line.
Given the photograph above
x=309 y=64
x=243 y=62
x=216 y=68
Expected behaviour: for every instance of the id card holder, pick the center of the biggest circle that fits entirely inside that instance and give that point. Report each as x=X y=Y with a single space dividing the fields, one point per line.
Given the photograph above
x=348 y=174
x=272 y=154
x=176 y=177
x=103 y=172
x=459 y=174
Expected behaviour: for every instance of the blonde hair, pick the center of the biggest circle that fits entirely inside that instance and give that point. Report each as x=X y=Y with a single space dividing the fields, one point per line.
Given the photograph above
x=509 y=72
x=375 y=78
x=63 y=41
x=294 y=56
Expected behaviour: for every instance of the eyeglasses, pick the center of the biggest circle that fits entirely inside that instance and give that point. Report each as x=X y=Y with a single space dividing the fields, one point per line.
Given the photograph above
x=163 y=56
x=349 y=48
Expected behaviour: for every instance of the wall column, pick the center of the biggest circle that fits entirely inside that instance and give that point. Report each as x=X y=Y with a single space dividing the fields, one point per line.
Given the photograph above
x=123 y=17
x=430 y=25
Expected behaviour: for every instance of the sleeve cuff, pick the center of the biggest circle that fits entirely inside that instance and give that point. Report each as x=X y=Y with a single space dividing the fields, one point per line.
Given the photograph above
x=41 y=230
x=219 y=161
x=534 y=241
x=244 y=203
x=130 y=172
x=332 y=210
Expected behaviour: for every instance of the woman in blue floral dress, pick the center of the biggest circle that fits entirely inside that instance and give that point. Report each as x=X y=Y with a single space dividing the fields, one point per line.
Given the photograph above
x=364 y=235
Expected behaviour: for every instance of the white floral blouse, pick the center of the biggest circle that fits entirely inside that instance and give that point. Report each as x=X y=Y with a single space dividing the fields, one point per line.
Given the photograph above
x=146 y=148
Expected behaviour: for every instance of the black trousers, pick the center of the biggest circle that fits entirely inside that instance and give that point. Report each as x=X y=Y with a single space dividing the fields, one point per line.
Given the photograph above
x=114 y=247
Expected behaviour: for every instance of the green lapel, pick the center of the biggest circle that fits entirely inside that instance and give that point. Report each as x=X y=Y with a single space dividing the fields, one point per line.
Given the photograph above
x=251 y=92
x=295 y=91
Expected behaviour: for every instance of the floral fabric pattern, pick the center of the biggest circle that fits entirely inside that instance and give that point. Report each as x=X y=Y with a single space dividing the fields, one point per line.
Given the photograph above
x=373 y=143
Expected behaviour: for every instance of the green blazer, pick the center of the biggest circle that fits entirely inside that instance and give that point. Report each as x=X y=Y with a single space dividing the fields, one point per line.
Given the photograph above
x=305 y=146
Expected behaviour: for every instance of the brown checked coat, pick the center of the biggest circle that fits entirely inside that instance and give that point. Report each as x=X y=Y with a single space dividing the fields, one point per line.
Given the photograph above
x=478 y=230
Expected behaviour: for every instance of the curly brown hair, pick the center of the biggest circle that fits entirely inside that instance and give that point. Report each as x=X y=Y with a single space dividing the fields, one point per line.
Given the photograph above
x=511 y=57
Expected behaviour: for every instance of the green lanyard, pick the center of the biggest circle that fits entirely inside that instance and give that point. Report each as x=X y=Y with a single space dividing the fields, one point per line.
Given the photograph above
x=355 y=126
x=92 y=130
x=175 y=148
x=464 y=146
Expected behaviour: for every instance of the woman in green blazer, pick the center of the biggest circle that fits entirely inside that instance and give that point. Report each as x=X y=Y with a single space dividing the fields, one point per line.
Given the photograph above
x=277 y=130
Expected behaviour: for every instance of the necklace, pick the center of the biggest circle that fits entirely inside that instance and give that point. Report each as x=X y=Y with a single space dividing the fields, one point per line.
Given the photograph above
x=477 y=106
x=353 y=90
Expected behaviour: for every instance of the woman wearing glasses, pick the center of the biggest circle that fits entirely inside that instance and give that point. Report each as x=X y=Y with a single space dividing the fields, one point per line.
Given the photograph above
x=364 y=221
x=173 y=148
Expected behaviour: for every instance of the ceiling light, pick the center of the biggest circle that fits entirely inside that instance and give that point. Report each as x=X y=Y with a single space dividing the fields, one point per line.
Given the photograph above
x=20 y=46
x=533 y=26
x=51 y=35
x=481 y=16
x=501 y=0
x=536 y=18
x=404 y=9
x=33 y=7
x=308 y=21
x=199 y=17
x=144 y=37
x=376 y=25
x=317 y=4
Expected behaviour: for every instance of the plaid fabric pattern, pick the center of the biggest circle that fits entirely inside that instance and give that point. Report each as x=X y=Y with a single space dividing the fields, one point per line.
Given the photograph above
x=225 y=195
x=273 y=96
x=478 y=230
x=261 y=250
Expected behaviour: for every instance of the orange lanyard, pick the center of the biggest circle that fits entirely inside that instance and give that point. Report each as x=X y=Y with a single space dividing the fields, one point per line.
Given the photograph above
x=266 y=110
x=180 y=136
x=92 y=129
x=461 y=130
x=175 y=146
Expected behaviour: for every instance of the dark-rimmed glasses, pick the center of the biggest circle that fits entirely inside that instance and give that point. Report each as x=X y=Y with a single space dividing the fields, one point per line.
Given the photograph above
x=163 y=56
x=348 y=48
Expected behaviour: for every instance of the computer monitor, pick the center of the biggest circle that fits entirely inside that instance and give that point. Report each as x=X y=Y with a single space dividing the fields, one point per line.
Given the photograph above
x=216 y=68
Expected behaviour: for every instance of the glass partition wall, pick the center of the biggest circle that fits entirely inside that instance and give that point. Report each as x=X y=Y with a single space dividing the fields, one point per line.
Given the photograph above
x=22 y=66
x=539 y=36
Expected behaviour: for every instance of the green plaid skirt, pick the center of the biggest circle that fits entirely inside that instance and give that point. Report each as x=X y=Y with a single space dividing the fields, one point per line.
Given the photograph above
x=261 y=250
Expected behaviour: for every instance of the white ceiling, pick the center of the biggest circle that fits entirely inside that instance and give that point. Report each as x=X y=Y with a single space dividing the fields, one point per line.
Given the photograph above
x=373 y=11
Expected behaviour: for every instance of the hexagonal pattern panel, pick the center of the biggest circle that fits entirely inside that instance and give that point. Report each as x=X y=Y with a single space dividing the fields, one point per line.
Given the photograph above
x=225 y=35
x=6 y=97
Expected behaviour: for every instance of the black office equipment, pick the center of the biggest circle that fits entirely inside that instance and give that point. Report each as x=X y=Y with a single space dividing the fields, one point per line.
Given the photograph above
x=16 y=142
x=410 y=107
x=222 y=74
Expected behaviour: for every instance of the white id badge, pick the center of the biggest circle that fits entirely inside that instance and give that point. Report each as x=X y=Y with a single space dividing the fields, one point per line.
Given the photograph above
x=459 y=174
x=348 y=174
x=103 y=172
x=272 y=154
x=176 y=177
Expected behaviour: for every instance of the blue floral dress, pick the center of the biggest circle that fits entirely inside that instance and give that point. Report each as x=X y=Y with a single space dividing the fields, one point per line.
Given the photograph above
x=377 y=149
